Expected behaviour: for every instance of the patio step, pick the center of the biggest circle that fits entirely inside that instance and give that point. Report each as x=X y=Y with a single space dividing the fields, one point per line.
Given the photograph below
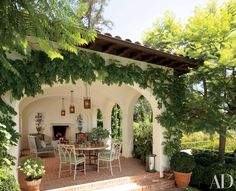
x=135 y=183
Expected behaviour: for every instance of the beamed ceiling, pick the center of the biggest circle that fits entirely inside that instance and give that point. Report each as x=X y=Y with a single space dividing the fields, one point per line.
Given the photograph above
x=125 y=48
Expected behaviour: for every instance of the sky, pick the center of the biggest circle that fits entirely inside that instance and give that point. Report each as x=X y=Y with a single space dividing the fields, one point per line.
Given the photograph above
x=132 y=17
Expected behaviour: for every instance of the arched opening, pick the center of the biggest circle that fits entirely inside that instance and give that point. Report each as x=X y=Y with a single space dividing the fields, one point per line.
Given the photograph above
x=116 y=121
x=99 y=118
x=142 y=127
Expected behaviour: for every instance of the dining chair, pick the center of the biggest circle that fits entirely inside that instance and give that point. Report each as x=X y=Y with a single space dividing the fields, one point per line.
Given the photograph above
x=68 y=156
x=110 y=156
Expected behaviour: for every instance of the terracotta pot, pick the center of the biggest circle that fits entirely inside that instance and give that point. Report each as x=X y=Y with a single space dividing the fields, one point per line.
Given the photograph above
x=182 y=179
x=33 y=185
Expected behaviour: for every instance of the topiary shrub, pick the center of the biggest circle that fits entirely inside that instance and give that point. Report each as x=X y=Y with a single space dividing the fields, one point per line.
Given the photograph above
x=182 y=162
x=8 y=181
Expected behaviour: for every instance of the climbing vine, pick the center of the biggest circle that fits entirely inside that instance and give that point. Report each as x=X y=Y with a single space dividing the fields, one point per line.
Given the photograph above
x=87 y=66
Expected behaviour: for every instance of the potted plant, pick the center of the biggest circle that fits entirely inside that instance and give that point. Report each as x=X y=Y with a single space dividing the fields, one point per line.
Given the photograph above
x=182 y=164
x=101 y=133
x=33 y=168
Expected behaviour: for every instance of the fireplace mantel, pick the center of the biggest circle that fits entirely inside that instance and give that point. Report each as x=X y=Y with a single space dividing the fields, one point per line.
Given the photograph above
x=60 y=130
x=58 y=124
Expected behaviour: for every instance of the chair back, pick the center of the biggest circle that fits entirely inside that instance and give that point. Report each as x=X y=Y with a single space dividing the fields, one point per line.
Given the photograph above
x=115 y=150
x=66 y=153
x=32 y=143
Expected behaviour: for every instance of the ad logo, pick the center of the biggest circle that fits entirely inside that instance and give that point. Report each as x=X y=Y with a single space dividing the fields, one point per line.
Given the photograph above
x=216 y=183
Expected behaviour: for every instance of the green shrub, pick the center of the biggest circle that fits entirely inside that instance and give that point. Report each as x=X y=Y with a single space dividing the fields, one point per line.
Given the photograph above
x=182 y=162
x=32 y=167
x=142 y=139
x=205 y=158
x=197 y=177
x=230 y=160
x=8 y=181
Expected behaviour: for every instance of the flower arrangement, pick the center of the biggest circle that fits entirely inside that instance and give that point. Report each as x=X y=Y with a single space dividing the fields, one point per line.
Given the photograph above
x=100 y=133
x=92 y=137
x=32 y=167
x=84 y=138
x=38 y=118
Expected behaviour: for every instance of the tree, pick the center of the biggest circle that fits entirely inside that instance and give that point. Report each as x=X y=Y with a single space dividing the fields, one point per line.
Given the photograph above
x=165 y=33
x=42 y=23
x=99 y=118
x=93 y=18
x=142 y=110
x=210 y=100
x=116 y=119
x=142 y=127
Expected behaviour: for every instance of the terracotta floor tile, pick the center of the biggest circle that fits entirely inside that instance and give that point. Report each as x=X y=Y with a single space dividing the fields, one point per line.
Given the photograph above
x=133 y=174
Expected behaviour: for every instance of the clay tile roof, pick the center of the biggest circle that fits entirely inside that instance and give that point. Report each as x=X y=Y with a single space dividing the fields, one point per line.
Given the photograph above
x=136 y=51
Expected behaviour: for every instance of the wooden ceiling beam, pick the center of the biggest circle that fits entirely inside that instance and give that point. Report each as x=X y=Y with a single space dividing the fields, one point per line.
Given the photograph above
x=139 y=56
x=111 y=48
x=162 y=61
x=126 y=52
x=151 y=59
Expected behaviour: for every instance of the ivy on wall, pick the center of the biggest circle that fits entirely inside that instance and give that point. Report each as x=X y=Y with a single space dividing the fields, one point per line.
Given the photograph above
x=87 y=66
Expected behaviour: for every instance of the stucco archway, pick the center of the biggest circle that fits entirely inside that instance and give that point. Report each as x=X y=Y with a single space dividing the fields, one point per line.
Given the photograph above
x=103 y=97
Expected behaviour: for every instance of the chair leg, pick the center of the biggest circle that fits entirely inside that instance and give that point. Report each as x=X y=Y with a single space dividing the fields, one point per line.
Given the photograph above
x=111 y=168
x=84 y=167
x=98 y=166
x=59 y=175
x=119 y=164
x=75 y=171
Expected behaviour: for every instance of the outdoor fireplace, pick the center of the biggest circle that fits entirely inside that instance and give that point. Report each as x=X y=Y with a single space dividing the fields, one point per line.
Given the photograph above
x=59 y=131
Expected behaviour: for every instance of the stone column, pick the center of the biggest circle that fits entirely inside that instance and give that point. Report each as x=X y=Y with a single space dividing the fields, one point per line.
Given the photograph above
x=127 y=134
x=94 y=118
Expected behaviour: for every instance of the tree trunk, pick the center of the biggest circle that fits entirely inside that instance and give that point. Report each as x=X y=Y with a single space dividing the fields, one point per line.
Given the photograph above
x=222 y=142
x=204 y=89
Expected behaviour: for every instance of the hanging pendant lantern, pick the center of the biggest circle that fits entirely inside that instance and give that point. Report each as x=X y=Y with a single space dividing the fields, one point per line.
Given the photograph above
x=87 y=103
x=87 y=100
x=72 y=107
x=63 y=111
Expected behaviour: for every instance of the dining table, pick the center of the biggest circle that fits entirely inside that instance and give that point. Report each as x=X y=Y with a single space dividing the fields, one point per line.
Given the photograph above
x=91 y=152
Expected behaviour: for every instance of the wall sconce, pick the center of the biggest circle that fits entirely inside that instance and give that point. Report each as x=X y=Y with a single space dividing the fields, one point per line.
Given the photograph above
x=72 y=107
x=63 y=111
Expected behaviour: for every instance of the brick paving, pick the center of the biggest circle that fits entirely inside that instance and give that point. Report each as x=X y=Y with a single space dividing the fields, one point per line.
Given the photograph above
x=132 y=177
